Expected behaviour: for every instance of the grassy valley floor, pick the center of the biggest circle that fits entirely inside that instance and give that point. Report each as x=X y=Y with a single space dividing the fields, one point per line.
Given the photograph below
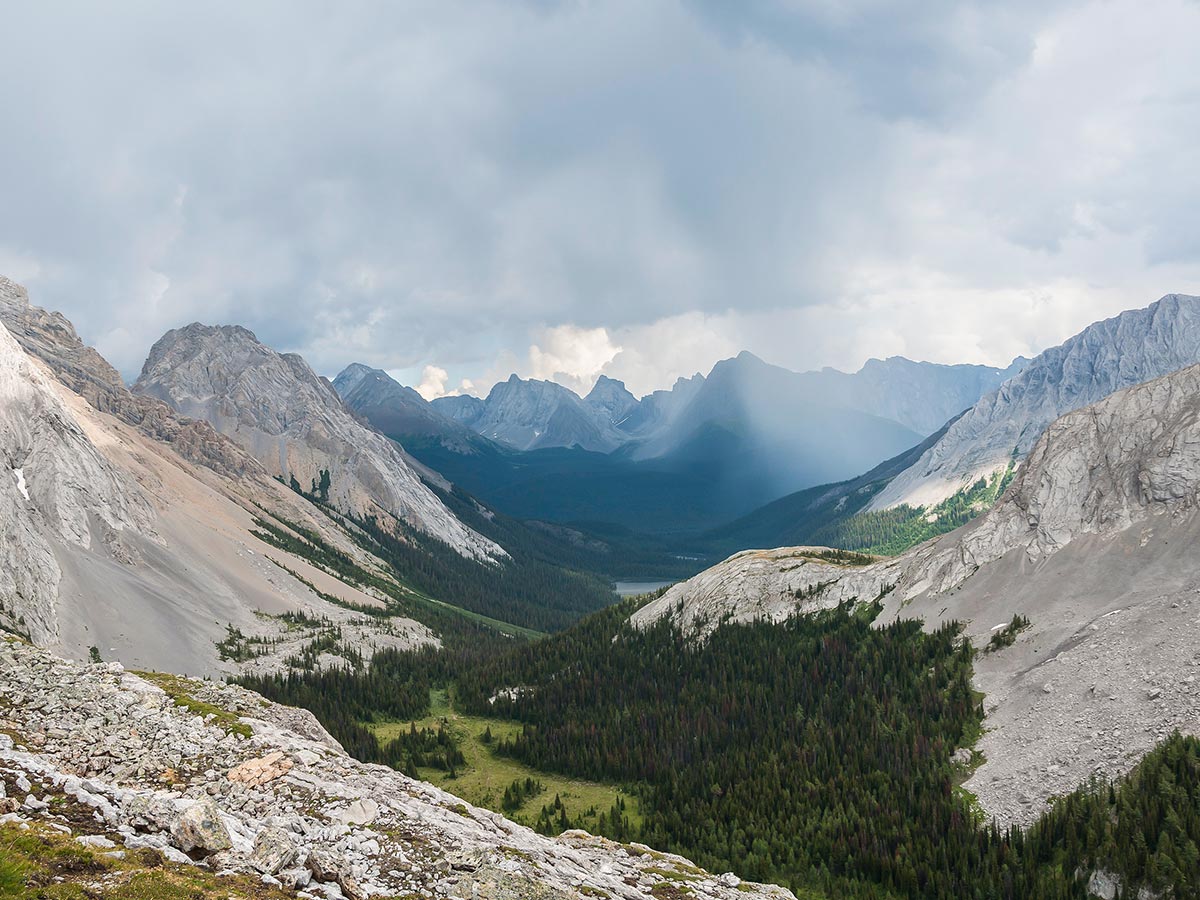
x=486 y=775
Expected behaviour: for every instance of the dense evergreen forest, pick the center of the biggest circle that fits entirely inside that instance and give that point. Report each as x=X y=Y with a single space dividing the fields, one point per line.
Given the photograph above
x=528 y=590
x=836 y=516
x=816 y=753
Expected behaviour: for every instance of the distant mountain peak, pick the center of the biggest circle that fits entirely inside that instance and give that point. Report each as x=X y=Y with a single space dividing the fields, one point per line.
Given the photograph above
x=398 y=410
x=1129 y=348
x=296 y=425
x=612 y=398
x=531 y=414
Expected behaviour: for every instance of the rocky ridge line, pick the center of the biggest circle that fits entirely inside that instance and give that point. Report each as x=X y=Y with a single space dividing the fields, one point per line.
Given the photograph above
x=295 y=424
x=1133 y=347
x=50 y=337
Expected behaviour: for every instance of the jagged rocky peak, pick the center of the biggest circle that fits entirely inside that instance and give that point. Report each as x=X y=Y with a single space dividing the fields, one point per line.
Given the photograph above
x=51 y=338
x=533 y=414
x=1004 y=425
x=296 y=426
x=611 y=397
x=360 y=385
x=354 y=375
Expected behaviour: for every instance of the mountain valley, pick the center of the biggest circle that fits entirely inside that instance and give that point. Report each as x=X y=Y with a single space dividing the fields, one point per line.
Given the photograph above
x=600 y=451
x=322 y=545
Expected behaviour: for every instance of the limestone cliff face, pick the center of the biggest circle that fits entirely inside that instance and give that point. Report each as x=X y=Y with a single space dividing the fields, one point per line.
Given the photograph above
x=1096 y=471
x=293 y=422
x=1004 y=425
x=55 y=486
x=50 y=337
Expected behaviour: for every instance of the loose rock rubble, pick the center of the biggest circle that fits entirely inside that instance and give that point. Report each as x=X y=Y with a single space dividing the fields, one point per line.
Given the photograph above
x=286 y=803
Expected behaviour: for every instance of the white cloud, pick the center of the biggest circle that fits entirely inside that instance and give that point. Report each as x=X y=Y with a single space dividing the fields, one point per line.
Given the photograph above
x=431 y=185
x=571 y=355
x=433 y=384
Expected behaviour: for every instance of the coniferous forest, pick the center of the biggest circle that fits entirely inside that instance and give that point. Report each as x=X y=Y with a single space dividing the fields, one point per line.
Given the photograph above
x=816 y=753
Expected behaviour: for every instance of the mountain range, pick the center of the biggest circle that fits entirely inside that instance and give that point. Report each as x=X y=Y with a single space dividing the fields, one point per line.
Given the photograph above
x=229 y=511
x=676 y=461
x=1004 y=425
x=235 y=514
x=964 y=468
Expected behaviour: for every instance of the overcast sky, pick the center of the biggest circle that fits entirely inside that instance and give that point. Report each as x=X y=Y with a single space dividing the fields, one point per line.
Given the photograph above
x=456 y=191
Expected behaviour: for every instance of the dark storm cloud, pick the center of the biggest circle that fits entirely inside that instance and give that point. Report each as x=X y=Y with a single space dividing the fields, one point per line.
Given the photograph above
x=438 y=182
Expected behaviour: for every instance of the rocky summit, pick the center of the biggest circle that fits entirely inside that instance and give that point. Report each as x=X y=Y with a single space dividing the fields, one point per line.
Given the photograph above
x=294 y=423
x=216 y=777
x=1005 y=424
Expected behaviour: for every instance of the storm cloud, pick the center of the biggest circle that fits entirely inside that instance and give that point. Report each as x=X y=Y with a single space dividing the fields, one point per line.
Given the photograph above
x=566 y=188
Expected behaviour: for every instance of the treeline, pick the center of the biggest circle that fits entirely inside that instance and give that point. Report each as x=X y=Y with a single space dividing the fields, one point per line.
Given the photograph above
x=530 y=589
x=395 y=687
x=889 y=532
x=523 y=590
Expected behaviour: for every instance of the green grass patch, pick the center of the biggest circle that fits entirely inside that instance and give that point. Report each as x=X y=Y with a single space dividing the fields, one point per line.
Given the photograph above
x=43 y=864
x=485 y=776
x=178 y=690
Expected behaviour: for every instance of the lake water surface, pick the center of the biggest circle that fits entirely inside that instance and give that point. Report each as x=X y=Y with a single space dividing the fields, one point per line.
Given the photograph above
x=629 y=588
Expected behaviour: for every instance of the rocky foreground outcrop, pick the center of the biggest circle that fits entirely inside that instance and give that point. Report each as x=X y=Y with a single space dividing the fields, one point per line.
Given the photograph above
x=243 y=785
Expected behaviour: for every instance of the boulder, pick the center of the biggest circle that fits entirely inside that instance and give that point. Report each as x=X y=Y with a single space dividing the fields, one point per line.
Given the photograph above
x=273 y=851
x=257 y=772
x=200 y=828
x=332 y=867
x=359 y=812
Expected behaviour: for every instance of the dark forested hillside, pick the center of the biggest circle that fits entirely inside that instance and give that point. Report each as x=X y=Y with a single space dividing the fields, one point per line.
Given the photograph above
x=815 y=753
x=826 y=513
x=536 y=588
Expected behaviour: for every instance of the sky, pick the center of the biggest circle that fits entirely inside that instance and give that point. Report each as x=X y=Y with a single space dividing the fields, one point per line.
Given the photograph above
x=454 y=191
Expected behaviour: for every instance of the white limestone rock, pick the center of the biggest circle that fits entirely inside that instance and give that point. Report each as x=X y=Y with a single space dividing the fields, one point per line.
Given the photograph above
x=1136 y=346
x=296 y=426
x=419 y=841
